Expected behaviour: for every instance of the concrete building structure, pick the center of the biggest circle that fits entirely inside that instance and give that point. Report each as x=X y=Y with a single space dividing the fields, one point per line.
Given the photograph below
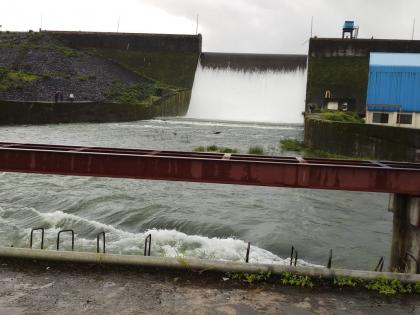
x=393 y=96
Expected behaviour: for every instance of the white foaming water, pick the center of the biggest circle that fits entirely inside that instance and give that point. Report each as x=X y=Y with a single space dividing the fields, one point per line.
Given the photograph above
x=226 y=94
x=166 y=243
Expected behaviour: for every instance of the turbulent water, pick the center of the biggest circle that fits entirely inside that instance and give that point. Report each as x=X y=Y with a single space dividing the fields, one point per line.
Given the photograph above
x=189 y=219
x=264 y=96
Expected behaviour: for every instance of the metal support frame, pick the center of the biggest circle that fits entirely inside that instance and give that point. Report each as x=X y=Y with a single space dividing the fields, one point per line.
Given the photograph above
x=275 y=171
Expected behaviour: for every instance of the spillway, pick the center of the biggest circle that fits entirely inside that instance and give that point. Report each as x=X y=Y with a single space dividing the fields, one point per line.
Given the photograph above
x=249 y=87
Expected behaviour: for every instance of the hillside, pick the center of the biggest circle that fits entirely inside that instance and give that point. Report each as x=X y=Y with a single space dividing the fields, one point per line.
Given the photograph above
x=34 y=66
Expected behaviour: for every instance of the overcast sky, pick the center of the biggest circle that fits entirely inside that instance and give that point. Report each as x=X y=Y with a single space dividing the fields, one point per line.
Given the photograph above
x=263 y=26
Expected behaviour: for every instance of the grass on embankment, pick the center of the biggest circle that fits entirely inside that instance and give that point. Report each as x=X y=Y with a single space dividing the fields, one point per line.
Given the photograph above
x=293 y=145
x=348 y=117
x=15 y=79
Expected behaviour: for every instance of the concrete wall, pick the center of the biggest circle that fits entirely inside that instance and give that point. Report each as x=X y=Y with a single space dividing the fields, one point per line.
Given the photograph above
x=134 y=41
x=14 y=112
x=342 y=65
x=363 y=140
x=169 y=59
x=252 y=62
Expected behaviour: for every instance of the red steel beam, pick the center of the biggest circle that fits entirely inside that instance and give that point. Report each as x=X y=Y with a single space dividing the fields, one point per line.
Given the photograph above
x=374 y=176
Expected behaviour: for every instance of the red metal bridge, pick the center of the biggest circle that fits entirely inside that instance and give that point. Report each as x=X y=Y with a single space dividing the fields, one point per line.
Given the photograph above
x=374 y=176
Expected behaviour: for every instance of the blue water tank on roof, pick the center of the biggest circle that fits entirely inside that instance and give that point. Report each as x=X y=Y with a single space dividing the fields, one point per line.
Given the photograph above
x=348 y=25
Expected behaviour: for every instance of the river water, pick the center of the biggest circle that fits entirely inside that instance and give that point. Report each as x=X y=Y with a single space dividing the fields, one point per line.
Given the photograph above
x=190 y=219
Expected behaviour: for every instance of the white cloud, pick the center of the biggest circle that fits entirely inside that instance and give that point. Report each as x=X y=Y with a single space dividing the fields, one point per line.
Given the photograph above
x=270 y=26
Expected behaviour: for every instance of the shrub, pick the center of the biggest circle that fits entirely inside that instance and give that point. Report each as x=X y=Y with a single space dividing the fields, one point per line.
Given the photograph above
x=256 y=150
x=212 y=148
x=292 y=145
x=342 y=116
x=228 y=150
x=199 y=149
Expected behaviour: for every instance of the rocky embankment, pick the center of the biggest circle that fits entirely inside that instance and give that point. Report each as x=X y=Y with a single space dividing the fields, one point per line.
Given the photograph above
x=34 y=66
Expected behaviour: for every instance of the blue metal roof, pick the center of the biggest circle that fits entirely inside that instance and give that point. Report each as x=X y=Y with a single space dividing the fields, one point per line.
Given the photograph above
x=394 y=81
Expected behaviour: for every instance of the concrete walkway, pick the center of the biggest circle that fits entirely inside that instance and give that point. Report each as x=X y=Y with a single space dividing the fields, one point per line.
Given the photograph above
x=40 y=288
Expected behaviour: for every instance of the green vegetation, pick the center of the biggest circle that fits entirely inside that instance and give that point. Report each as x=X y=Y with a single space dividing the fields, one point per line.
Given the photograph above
x=200 y=149
x=15 y=79
x=33 y=41
x=350 y=117
x=337 y=74
x=86 y=77
x=298 y=146
x=141 y=93
x=251 y=277
x=212 y=148
x=171 y=68
x=380 y=285
x=292 y=145
x=215 y=148
x=389 y=287
x=256 y=150
x=343 y=281
x=289 y=278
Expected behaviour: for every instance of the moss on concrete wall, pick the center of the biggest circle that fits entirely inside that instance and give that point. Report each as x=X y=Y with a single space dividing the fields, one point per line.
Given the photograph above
x=12 y=112
x=172 y=68
x=363 y=140
x=343 y=76
x=169 y=59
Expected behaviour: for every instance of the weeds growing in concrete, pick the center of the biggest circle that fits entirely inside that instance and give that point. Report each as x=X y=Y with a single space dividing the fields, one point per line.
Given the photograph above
x=288 y=278
x=250 y=277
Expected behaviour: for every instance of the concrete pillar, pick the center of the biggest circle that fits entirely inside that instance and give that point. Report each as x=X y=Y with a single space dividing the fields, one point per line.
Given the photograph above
x=405 y=251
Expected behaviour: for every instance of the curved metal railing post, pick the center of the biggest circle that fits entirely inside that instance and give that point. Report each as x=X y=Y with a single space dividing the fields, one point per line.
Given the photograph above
x=147 y=245
x=248 y=249
x=42 y=237
x=72 y=239
x=380 y=265
x=329 y=264
x=97 y=242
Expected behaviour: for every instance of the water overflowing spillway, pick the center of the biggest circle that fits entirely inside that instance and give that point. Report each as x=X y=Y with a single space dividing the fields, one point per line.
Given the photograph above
x=259 y=88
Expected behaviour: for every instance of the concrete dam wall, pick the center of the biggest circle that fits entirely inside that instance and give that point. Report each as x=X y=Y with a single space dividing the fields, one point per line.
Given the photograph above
x=363 y=141
x=249 y=87
x=253 y=62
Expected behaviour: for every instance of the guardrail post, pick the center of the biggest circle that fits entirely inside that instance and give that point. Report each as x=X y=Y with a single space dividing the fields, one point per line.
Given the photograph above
x=42 y=237
x=72 y=239
x=97 y=242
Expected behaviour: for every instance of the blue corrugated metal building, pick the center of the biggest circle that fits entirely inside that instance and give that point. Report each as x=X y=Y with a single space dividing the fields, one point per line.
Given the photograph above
x=393 y=87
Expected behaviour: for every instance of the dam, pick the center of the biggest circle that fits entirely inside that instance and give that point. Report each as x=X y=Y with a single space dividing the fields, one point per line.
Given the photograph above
x=249 y=87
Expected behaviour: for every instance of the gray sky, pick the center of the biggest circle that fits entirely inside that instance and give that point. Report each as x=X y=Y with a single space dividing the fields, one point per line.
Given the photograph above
x=263 y=26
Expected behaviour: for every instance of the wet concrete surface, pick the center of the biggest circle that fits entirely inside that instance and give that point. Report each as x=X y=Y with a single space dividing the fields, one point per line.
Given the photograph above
x=45 y=288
